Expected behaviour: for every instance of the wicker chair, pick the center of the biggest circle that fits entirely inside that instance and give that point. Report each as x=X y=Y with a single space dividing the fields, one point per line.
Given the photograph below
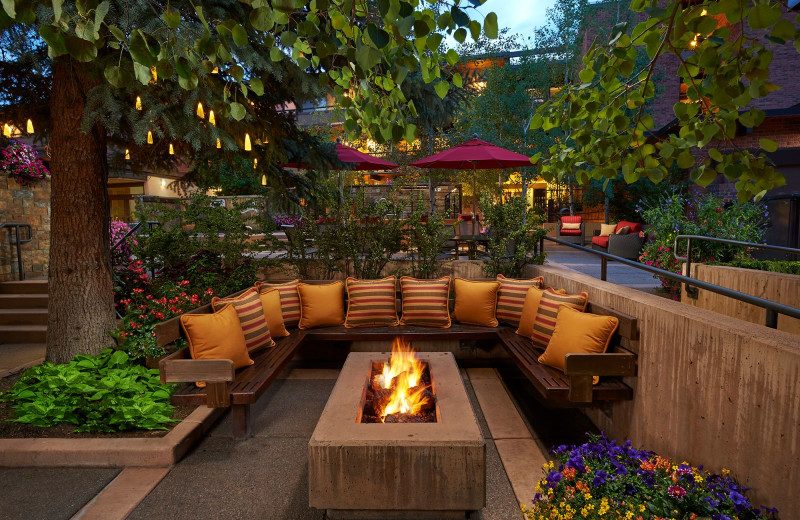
x=574 y=236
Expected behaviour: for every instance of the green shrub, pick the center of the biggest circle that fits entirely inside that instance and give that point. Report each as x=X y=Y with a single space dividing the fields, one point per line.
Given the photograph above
x=773 y=266
x=103 y=393
x=426 y=238
x=514 y=232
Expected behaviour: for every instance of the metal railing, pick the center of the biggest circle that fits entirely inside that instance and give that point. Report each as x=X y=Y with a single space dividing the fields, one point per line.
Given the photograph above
x=692 y=291
x=16 y=238
x=772 y=308
x=134 y=228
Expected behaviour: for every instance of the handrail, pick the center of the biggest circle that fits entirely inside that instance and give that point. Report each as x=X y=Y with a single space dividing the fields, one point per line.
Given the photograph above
x=772 y=308
x=16 y=226
x=691 y=291
x=150 y=224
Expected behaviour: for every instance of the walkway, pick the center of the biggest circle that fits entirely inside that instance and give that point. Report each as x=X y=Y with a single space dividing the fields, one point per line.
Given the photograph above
x=589 y=264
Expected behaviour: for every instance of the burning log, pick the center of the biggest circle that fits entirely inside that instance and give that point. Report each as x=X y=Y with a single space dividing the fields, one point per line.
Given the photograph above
x=403 y=418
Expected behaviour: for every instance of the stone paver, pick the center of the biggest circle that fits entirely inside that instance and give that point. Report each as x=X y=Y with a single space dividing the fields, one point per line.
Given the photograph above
x=589 y=264
x=522 y=460
x=501 y=415
x=122 y=495
x=49 y=493
x=15 y=355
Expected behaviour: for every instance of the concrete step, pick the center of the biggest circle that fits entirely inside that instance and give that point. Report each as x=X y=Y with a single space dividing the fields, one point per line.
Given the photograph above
x=33 y=316
x=23 y=334
x=17 y=354
x=24 y=287
x=23 y=301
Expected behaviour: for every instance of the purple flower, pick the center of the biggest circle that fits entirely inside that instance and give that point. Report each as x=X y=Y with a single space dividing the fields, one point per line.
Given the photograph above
x=676 y=491
x=600 y=478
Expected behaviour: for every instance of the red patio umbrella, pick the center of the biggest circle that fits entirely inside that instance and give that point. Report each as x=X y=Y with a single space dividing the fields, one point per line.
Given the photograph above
x=475 y=154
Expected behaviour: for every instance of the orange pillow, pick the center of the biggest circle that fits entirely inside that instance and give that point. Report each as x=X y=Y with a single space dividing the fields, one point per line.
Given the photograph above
x=578 y=332
x=216 y=336
x=290 y=301
x=321 y=305
x=511 y=297
x=529 y=309
x=546 y=314
x=271 y=302
x=251 y=315
x=425 y=302
x=371 y=303
x=476 y=302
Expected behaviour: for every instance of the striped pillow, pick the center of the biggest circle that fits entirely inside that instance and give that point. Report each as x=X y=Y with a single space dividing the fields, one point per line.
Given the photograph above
x=425 y=302
x=290 y=300
x=511 y=297
x=545 y=321
x=251 y=316
x=372 y=303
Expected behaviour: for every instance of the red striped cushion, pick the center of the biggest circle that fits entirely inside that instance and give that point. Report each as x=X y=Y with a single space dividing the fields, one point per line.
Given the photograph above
x=290 y=300
x=546 y=315
x=251 y=316
x=371 y=303
x=425 y=302
x=511 y=297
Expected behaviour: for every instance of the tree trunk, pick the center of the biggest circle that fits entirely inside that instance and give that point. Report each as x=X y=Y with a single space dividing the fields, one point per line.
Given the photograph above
x=81 y=308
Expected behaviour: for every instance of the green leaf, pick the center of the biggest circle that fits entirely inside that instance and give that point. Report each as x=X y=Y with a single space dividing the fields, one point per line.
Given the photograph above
x=117 y=32
x=100 y=13
x=475 y=29
x=54 y=39
x=452 y=57
x=378 y=36
x=139 y=49
x=421 y=28
x=239 y=35
x=189 y=83
x=586 y=75
x=460 y=35
x=183 y=68
x=80 y=49
x=262 y=19
x=686 y=160
x=57 y=10
x=257 y=86
x=768 y=145
x=237 y=72
x=367 y=57
x=490 y=26
x=764 y=15
x=142 y=73
x=441 y=88
x=10 y=8
x=238 y=111
x=172 y=17
x=275 y=54
x=715 y=154
x=458 y=81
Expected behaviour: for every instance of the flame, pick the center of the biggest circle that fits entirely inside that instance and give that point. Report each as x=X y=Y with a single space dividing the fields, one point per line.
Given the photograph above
x=406 y=371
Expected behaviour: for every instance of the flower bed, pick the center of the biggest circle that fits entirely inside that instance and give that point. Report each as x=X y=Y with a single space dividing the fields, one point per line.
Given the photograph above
x=602 y=480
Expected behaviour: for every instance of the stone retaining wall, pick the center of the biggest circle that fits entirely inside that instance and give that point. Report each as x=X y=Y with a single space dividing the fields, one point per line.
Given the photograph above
x=711 y=389
x=29 y=205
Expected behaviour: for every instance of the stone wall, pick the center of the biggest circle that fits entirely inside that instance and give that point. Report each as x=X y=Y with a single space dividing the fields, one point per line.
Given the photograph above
x=29 y=205
x=711 y=389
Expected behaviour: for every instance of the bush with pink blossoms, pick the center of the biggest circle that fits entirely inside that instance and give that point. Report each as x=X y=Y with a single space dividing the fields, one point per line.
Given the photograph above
x=22 y=163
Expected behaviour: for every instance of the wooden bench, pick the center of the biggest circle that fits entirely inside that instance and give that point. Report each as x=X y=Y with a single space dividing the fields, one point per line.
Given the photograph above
x=240 y=389
x=574 y=385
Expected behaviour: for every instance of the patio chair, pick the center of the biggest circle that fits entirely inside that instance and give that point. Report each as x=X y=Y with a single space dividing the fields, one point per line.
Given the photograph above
x=625 y=245
x=574 y=236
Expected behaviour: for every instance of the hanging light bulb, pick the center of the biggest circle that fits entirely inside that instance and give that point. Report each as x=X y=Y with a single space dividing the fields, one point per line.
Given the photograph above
x=127 y=154
x=149 y=137
x=6 y=130
x=200 y=112
x=247 y=145
x=219 y=144
x=255 y=163
x=30 y=126
x=138 y=103
x=171 y=149
x=211 y=118
x=263 y=180
x=154 y=73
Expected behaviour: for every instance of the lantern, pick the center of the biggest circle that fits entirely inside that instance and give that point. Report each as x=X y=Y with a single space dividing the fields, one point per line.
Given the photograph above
x=219 y=144
x=200 y=112
x=247 y=145
x=255 y=163
x=211 y=118
x=149 y=137
x=30 y=126
x=263 y=180
x=138 y=103
x=127 y=154
x=171 y=149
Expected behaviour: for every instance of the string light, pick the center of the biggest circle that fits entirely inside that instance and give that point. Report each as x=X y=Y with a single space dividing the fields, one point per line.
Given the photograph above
x=247 y=145
x=30 y=126
x=138 y=103
x=263 y=180
x=215 y=71
x=127 y=154
x=200 y=112
x=219 y=144
x=171 y=149
x=255 y=163
x=693 y=43
x=149 y=137
x=211 y=118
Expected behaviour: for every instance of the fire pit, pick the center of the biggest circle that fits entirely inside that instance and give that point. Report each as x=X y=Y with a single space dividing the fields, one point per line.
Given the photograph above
x=416 y=453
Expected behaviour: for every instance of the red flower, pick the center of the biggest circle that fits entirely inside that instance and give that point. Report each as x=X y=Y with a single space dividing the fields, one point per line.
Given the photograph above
x=160 y=315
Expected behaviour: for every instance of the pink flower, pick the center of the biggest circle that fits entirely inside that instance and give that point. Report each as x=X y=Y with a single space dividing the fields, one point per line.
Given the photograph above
x=676 y=491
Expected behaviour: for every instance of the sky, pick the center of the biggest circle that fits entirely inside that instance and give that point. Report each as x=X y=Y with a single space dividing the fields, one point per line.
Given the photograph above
x=520 y=16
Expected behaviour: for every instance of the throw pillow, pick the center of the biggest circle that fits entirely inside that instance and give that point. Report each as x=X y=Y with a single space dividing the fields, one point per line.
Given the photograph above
x=321 y=305
x=425 y=302
x=371 y=303
x=271 y=302
x=529 y=309
x=251 y=316
x=570 y=225
x=476 y=302
x=624 y=230
x=290 y=301
x=216 y=336
x=578 y=333
x=511 y=297
x=607 y=229
x=546 y=314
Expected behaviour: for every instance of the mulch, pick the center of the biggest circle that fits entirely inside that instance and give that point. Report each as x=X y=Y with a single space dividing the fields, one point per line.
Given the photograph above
x=14 y=430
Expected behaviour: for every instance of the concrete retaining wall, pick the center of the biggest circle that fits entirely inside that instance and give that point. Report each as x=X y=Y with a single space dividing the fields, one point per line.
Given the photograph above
x=778 y=287
x=469 y=269
x=711 y=389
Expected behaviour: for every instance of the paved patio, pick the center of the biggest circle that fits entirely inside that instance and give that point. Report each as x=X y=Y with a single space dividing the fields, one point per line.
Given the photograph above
x=589 y=264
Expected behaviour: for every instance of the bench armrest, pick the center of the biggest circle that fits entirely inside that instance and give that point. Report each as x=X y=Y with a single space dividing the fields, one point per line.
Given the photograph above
x=216 y=373
x=581 y=369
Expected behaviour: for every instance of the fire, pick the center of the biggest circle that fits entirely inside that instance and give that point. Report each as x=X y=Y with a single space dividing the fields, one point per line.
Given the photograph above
x=402 y=373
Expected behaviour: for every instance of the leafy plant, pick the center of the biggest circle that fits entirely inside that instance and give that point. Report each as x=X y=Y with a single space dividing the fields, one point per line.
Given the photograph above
x=372 y=234
x=426 y=236
x=603 y=480
x=120 y=254
x=22 y=163
x=514 y=232
x=772 y=266
x=103 y=393
x=706 y=216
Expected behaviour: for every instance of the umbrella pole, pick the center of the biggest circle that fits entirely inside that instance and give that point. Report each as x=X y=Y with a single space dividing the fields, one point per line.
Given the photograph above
x=474 y=200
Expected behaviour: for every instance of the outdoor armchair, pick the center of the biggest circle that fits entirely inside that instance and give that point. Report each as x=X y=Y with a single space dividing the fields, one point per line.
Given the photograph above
x=625 y=246
x=574 y=236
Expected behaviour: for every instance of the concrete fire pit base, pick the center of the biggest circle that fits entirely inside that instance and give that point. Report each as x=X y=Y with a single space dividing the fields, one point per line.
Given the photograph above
x=387 y=471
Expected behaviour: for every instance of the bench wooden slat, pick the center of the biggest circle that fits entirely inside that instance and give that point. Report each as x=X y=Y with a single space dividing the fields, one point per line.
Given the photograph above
x=607 y=364
x=456 y=331
x=205 y=370
x=628 y=325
